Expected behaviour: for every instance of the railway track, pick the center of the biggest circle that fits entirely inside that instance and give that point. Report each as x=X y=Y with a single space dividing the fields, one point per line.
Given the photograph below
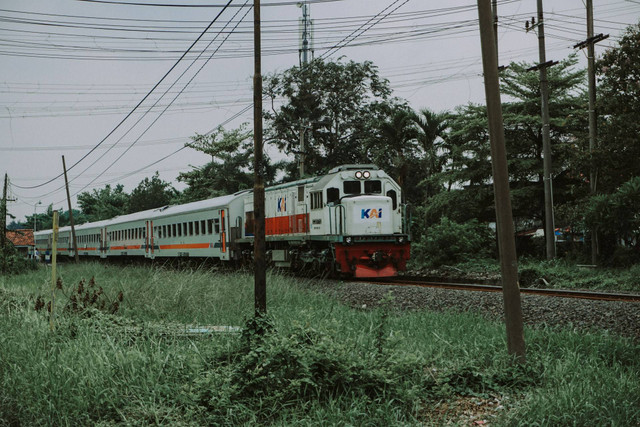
x=562 y=293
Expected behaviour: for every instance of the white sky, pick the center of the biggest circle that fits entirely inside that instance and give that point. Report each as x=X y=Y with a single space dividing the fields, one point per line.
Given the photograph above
x=71 y=70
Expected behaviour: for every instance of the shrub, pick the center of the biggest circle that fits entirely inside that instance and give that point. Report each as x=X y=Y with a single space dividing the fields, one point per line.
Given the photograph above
x=449 y=242
x=11 y=262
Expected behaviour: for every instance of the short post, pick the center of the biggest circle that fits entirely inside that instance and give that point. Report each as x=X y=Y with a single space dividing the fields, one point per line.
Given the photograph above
x=54 y=250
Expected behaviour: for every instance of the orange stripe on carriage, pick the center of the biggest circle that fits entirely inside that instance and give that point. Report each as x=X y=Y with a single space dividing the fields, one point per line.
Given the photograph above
x=186 y=246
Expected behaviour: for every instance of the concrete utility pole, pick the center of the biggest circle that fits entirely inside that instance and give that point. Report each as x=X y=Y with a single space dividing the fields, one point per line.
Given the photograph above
x=589 y=43
x=73 y=228
x=504 y=219
x=549 y=227
x=260 y=279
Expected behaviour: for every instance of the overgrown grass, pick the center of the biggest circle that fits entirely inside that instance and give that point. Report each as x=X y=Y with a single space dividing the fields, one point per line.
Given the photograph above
x=316 y=363
x=557 y=274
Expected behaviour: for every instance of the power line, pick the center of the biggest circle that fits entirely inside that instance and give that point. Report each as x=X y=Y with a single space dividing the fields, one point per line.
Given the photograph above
x=136 y=107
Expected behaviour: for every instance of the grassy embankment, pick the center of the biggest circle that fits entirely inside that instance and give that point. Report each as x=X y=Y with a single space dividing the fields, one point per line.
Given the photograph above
x=556 y=274
x=319 y=363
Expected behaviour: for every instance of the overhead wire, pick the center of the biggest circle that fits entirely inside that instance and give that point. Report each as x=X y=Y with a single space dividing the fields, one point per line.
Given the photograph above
x=134 y=108
x=177 y=95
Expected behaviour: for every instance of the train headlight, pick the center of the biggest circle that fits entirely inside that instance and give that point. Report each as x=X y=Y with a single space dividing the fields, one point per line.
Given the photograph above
x=348 y=240
x=366 y=174
x=400 y=239
x=359 y=175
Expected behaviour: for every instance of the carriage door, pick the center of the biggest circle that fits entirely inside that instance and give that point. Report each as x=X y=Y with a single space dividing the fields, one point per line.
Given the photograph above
x=148 y=240
x=223 y=231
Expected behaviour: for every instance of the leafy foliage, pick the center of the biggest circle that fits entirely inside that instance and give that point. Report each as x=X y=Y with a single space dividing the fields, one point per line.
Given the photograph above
x=619 y=109
x=449 y=242
x=338 y=103
x=12 y=262
x=617 y=218
x=104 y=203
x=276 y=371
x=231 y=166
x=151 y=193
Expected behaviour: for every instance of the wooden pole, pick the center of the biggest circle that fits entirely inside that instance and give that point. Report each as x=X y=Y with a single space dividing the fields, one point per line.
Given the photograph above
x=260 y=280
x=73 y=228
x=593 y=129
x=504 y=219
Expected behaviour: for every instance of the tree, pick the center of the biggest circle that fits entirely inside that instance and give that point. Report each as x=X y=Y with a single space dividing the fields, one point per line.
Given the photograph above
x=393 y=144
x=619 y=110
x=432 y=131
x=231 y=166
x=104 y=203
x=336 y=102
x=523 y=133
x=151 y=193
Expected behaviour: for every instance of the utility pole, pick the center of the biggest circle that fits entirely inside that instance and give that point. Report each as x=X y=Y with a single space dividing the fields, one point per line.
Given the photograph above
x=73 y=228
x=260 y=279
x=589 y=43
x=494 y=9
x=3 y=212
x=305 y=36
x=504 y=219
x=549 y=227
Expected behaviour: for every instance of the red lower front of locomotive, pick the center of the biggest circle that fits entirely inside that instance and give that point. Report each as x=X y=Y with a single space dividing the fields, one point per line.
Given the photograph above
x=368 y=260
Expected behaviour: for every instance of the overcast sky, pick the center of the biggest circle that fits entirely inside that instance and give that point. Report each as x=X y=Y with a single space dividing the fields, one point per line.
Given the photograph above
x=71 y=71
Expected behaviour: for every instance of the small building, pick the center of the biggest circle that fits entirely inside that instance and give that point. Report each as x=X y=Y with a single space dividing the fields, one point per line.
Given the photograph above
x=22 y=240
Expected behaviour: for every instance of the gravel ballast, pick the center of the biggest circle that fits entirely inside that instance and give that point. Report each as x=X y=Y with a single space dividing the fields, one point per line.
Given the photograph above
x=620 y=318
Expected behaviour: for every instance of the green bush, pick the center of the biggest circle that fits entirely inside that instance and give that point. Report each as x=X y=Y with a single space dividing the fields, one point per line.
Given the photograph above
x=12 y=262
x=449 y=242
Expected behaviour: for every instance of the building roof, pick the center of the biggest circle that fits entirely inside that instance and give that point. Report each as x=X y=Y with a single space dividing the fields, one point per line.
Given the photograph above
x=22 y=237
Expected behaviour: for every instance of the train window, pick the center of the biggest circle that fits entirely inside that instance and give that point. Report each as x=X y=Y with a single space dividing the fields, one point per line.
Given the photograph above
x=301 y=193
x=333 y=195
x=191 y=229
x=373 y=187
x=203 y=226
x=216 y=225
x=143 y=232
x=316 y=200
x=184 y=229
x=352 y=187
x=164 y=230
x=174 y=230
x=196 y=228
x=394 y=198
x=209 y=226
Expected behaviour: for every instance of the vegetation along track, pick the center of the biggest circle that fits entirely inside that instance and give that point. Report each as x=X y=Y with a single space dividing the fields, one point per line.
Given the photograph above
x=565 y=293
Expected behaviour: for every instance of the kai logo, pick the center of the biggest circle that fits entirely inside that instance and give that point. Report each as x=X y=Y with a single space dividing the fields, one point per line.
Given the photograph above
x=282 y=204
x=371 y=213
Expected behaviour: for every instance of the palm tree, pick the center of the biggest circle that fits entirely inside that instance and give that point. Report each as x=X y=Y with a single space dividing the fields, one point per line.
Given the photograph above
x=432 y=129
x=398 y=136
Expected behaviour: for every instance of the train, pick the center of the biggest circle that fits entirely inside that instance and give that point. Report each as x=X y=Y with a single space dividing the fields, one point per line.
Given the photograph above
x=348 y=222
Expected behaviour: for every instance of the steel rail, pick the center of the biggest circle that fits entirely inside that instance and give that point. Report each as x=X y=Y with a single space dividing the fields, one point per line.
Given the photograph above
x=561 y=293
